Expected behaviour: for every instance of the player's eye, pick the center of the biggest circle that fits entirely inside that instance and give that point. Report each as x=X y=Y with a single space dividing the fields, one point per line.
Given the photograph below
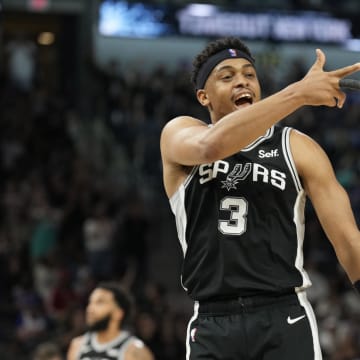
x=226 y=77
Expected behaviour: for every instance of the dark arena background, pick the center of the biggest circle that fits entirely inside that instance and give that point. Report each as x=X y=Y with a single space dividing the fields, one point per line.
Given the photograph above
x=85 y=89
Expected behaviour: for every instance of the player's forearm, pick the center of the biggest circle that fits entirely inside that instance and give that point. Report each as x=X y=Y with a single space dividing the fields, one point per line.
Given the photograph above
x=238 y=129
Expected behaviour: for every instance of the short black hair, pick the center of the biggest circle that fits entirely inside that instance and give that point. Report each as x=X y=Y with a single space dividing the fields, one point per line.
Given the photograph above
x=214 y=47
x=122 y=297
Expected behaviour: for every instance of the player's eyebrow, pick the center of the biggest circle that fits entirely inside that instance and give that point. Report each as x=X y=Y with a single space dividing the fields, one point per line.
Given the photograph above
x=230 y=67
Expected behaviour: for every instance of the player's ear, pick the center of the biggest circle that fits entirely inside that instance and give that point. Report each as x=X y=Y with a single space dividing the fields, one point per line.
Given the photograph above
x=119 y=314
x=202 y=97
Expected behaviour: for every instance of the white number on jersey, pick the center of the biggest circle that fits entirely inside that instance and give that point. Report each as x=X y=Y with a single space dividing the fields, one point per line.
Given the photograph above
x=238 y=208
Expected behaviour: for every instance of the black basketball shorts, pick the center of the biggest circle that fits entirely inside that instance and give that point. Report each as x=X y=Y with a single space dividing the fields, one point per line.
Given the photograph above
x=256 y=328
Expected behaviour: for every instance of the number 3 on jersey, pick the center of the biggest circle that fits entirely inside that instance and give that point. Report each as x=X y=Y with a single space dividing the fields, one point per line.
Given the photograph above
x=236 y=224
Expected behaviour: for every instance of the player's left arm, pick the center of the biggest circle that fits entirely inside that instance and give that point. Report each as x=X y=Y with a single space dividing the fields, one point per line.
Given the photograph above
x=330 y=201
x=137 y=350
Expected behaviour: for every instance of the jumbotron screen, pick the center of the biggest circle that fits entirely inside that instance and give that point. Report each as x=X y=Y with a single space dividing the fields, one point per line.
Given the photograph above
x=129 y=19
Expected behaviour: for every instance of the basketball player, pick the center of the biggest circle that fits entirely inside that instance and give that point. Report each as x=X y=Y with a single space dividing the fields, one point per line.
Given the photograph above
x=108 y=308
x=237 y=188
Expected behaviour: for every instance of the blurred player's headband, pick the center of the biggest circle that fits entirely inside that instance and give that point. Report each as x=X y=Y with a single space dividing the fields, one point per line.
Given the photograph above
x=213 y=60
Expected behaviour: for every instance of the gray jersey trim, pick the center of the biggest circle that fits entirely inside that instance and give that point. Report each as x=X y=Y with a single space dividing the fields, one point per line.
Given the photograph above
x=289 y=158
x=269 y=133
x=313 y=325
x=188 y=335
x=299 y=208
x=299 y=220
x=125 y=346
x=90 y=342
x=106 y=346
x=177 y=204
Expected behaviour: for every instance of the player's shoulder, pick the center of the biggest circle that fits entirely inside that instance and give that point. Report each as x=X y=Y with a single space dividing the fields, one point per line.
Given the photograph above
x=298 y=138
x=183 y=121
x=74 y=347
x=78 y=339
x=137 y=350
x=177 y=126
x=308 y=154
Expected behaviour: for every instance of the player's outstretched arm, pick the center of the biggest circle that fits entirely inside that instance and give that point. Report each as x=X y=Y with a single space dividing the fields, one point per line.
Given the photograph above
x=187 y=141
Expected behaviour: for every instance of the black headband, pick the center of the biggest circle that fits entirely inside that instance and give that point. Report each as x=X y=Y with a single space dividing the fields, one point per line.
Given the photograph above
x=213 y=60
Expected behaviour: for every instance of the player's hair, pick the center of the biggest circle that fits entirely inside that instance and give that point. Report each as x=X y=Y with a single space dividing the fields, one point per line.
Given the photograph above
x=121 y=296
x=215 y=47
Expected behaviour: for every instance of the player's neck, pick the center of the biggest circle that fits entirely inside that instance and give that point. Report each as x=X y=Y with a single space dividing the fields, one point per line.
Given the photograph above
x=107 y=335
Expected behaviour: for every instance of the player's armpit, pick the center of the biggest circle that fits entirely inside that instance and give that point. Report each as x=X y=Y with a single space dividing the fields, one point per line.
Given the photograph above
x=138 y=351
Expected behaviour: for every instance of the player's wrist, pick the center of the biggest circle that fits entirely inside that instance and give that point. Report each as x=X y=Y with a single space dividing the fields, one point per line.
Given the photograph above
x=356 y=286
x=295 y=93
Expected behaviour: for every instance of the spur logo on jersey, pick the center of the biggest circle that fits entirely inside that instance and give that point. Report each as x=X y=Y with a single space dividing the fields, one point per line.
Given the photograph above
x=240 y=172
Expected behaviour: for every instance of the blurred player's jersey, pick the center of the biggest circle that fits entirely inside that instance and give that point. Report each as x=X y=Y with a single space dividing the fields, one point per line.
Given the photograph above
x=113 y=350
x=240 y=222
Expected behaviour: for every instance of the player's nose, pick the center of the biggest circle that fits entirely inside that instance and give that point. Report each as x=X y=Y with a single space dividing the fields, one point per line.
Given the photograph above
x=240 y=80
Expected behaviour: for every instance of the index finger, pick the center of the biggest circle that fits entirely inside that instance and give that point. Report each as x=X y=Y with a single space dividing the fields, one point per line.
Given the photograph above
x=347 y=70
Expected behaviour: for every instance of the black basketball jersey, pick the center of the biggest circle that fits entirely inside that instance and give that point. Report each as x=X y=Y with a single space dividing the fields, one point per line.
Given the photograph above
x=91 y=349
x=240 y=222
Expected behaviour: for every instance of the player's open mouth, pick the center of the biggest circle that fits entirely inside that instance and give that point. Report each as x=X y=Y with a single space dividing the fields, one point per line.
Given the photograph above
x=243 y=100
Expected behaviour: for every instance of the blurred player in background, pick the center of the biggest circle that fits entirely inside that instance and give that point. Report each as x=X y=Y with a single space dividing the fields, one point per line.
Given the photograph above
x=108 y=311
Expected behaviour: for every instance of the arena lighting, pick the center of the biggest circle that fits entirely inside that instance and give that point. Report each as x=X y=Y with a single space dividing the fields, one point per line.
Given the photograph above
x=352 y=45
x=46 y=38
x=38 y=5
x=279 y=26
x=134 y=20
x=201 y=9
x=138 y=19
